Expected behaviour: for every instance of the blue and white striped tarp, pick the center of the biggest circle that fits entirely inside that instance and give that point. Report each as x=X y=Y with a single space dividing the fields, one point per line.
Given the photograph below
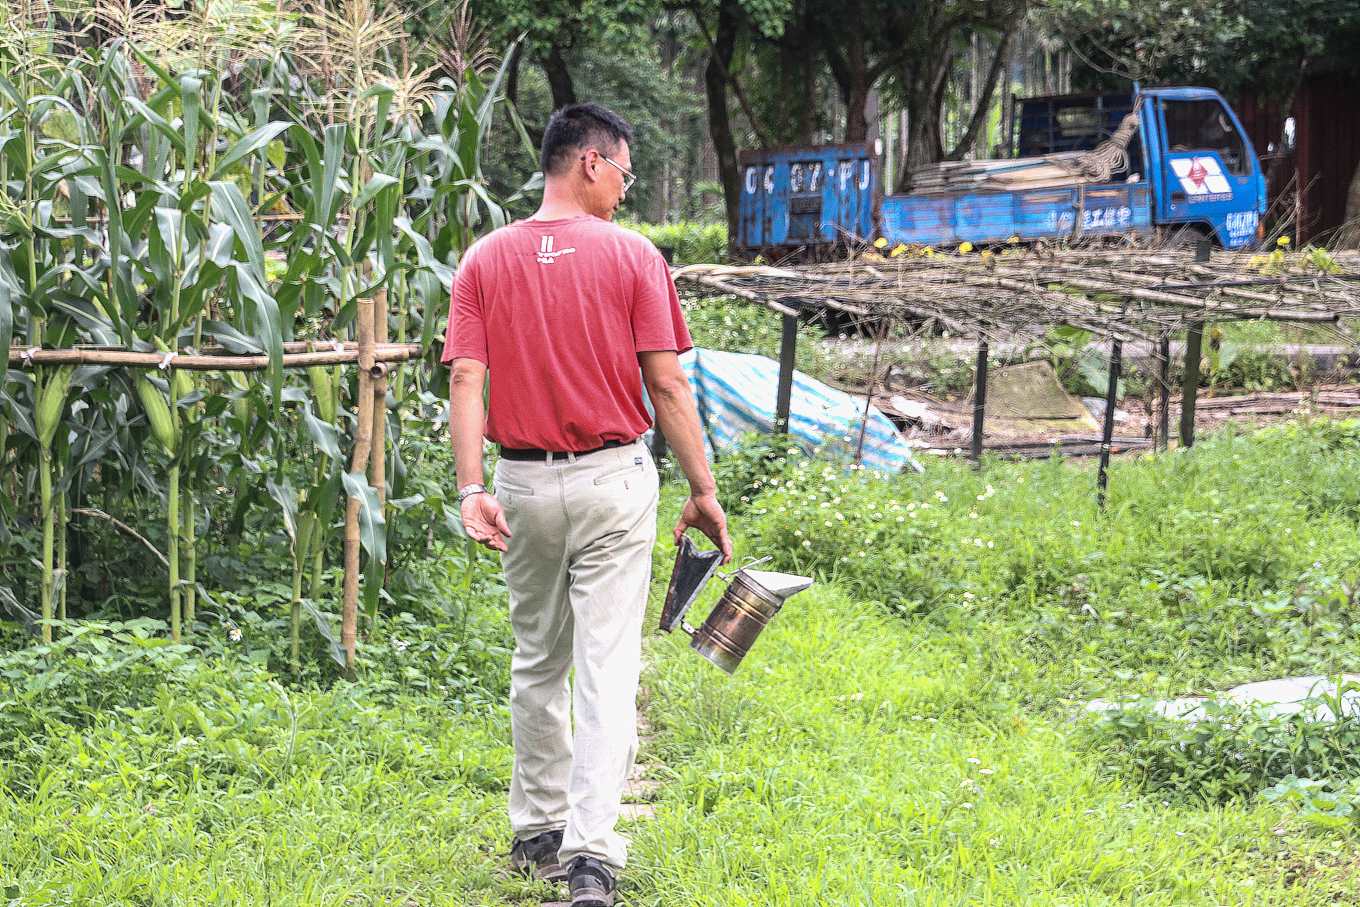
x=736 y=396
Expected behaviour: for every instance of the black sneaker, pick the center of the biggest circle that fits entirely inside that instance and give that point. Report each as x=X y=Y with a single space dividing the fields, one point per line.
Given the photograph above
x=591 y=883
x=537 y=857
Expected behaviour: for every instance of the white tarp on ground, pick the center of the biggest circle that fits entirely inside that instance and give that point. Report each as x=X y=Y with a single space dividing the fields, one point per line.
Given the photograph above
x=1283 y=696
x=736 y=396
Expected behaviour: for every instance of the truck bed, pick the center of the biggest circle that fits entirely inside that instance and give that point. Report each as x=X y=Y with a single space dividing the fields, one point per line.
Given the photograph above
x=1068 y=212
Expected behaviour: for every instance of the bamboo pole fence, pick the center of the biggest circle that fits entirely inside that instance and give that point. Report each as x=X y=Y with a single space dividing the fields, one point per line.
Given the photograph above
x=1017 y=295
x=373 y=356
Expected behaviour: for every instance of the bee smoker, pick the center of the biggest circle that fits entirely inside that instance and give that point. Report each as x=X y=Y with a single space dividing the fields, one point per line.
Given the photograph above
x=751 y=600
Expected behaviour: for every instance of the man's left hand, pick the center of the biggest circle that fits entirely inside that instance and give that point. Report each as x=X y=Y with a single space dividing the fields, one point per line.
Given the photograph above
x=484 y=521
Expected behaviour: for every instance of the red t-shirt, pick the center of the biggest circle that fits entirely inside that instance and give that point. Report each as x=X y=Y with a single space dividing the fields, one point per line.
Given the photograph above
x=558 y=311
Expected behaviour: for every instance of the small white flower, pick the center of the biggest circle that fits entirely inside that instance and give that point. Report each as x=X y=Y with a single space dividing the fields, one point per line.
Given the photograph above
x=974 y=760
x=986 y=771
x=234 y=634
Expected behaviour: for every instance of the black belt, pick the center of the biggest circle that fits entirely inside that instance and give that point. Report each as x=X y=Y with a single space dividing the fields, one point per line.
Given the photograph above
x=530 y=453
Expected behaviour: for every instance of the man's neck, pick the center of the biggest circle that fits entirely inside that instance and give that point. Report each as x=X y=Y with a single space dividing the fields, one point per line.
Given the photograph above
x=559 y=203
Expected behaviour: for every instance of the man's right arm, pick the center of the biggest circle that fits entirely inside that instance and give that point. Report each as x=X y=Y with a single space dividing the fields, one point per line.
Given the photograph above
x=678 y=419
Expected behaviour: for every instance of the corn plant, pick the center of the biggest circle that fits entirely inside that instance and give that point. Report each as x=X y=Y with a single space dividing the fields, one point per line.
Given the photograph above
x=234 y=174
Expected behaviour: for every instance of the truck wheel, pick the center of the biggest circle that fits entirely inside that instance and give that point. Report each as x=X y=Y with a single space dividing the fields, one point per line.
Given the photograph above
x=1183 y=236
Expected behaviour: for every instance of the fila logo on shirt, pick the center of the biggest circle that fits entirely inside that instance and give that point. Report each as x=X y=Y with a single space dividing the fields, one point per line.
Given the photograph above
x=546 y=255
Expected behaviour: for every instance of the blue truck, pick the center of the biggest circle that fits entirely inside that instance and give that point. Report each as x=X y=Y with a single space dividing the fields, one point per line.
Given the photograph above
x=1184 y=169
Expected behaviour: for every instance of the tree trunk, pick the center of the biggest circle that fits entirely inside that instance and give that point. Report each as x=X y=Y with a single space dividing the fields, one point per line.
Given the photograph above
x=925 y=135
x=559 y=78
x=798 y=77
x=984 y=98
x=856 y=122
x=856 y=89
x=512 y=75
x=1352 y=218
x=670 y=49
x=719 y=121
x=846 y=56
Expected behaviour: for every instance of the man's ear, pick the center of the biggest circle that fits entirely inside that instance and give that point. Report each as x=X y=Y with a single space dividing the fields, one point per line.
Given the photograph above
x=590 y=166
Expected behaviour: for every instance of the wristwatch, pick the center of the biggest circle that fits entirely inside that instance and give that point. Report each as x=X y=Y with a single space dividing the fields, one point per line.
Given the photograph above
x=468 y=491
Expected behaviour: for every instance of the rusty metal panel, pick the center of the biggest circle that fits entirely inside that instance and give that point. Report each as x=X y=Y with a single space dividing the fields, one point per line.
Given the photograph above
x=1326 y=112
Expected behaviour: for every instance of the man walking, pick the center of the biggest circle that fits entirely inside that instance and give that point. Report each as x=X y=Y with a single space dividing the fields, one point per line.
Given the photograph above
x=571 y=315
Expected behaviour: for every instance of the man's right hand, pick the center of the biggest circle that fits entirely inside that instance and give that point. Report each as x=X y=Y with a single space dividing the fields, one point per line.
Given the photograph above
x=703 y=512
x=484 y=521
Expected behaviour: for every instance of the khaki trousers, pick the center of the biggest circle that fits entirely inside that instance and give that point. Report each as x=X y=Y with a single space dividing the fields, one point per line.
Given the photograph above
x=578 y=566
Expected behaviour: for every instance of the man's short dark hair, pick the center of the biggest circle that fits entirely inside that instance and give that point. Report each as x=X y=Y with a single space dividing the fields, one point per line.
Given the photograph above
x=577 y=127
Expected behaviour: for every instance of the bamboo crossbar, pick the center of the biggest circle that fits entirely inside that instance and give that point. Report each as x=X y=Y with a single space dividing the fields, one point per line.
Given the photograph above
x=1123 y=293
x=389 y=352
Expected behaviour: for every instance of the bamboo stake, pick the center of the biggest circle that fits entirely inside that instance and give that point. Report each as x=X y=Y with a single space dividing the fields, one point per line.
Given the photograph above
x=378 y=459
x=377 y=466
x=363 y=439
x=390 y=352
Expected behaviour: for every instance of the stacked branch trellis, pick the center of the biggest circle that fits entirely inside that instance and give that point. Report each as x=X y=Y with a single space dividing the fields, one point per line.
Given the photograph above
x=1121 y=294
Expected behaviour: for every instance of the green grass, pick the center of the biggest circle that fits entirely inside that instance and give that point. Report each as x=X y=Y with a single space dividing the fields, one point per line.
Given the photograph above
x=851 y=761
x=906 y=732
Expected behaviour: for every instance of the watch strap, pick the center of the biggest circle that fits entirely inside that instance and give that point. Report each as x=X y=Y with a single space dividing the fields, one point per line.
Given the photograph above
x=469 y=490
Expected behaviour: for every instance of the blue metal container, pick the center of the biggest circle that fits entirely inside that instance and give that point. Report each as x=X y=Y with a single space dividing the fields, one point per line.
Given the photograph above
x=793 y=198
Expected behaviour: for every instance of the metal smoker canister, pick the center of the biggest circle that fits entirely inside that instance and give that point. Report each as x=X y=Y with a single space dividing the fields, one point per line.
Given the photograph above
x=751 y=600
x=735 y=622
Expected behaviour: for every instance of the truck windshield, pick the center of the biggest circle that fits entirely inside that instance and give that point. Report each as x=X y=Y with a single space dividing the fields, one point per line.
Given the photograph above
x=1204 y=126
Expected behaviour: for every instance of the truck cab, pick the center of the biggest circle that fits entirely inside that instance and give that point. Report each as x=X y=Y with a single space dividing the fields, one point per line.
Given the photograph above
x=1206 y=172
x=1190 y=147
x=1188 y=170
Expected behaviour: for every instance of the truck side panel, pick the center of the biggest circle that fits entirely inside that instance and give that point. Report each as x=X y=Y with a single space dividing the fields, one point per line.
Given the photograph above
x=994 y=217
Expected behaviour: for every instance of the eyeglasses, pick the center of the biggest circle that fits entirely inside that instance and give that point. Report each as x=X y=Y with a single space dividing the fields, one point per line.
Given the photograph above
x=629 y=178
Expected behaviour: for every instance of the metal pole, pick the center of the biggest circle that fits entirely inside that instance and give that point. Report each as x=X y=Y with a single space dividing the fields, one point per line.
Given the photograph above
x=1107 y=429
x=979 y=400
x=787 y=348
x=1164 y=393
x=1194 y=348
x=1194 y=342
